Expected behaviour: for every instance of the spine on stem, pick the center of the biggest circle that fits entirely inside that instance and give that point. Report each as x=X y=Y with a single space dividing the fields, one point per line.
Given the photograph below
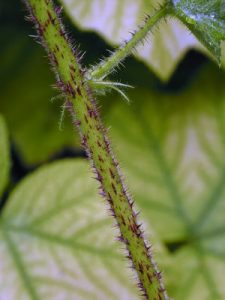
x=107 y=66
x=81 y=104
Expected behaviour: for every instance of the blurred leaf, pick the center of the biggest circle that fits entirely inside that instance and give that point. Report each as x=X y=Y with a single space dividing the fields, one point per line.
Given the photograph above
x=57 y=242
x=115 y=19
x=172 y=148
x=206 y=19
x=4 y=156
x=25 y=80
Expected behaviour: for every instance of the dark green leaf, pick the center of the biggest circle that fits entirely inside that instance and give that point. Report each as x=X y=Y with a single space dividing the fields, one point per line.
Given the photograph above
x=206 y=19
x=26 y=93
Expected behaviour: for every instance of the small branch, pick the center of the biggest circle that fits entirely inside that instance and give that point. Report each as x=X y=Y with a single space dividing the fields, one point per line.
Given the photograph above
x=79 y=101
x=107 y=66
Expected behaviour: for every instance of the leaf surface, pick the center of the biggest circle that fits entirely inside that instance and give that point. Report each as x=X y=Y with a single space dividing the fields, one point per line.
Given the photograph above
x=57 y=241
x=172 y=148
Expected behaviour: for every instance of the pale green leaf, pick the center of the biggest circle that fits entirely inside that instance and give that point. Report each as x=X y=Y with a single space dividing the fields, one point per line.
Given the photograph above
x=114 y=20
x=57 y=241
x=172 y=148
x=206 y=19
x=4 y=156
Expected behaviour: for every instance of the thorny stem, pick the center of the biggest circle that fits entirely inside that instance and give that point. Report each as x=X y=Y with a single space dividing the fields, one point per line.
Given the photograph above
x=107 y=66
x=82 y=106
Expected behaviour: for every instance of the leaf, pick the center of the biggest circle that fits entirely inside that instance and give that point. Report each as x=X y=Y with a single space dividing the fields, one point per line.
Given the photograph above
x=206 y=19
x=57 y=241
x=172 y=148
x=4 y=156
x=25 y=81
x=114 y=20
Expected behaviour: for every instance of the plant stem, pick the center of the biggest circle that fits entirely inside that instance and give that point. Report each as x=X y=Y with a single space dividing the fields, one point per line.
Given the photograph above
x=80 y=103
x=107 y=66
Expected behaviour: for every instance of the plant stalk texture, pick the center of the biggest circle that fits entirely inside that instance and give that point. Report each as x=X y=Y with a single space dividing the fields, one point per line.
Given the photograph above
x=109 y=64
x=81 y=104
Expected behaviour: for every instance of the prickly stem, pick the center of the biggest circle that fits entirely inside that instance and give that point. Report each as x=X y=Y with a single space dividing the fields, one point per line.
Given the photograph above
x=105 y=67
x=82 y=106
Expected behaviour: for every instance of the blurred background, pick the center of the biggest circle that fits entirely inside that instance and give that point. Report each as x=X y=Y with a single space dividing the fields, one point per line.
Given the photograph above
x=27 y=99
x=170 y=138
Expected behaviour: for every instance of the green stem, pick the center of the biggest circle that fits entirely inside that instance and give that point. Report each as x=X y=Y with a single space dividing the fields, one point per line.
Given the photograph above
x=80 y=102
x=105 y=67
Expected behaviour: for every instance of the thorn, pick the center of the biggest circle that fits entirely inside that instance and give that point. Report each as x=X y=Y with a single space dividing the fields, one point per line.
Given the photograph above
x=30 y=18
x=103 y=194
x=33 y=36
x=58 y=10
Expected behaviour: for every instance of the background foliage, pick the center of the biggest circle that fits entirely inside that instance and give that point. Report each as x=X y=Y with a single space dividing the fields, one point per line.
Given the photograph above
x=56 y=240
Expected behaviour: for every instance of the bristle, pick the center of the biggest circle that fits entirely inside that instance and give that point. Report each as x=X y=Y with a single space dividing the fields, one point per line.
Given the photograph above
x=58 y=10
x=65 y=57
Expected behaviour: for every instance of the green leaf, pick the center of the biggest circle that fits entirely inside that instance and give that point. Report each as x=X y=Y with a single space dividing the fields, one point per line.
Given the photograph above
x=4 y=156
x=114 y=20
x=58 y=242
x=25 y=83
x=172 y=149
x=206 y=19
